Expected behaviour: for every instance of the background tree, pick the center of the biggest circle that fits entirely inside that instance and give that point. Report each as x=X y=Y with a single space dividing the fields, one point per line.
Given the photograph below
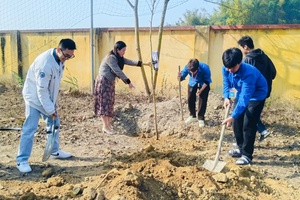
x=194 y=18
x=246 y=12
x=235 y=12
x=291 y=11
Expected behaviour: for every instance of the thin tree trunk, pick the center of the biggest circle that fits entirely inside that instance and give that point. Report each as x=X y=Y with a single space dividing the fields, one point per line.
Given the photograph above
x=137 y=42
x=152 y=78
x=160 y=33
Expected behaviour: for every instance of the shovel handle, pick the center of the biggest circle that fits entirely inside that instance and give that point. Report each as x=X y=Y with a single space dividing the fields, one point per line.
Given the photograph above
x=181 y=110
x=221 y=139
x=10 y=129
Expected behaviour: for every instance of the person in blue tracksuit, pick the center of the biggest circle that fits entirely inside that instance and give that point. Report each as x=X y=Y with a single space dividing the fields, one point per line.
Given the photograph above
x=199 y=85
x=251 y=91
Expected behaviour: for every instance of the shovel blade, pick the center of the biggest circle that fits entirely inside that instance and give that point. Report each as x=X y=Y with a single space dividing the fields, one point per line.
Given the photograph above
x=49 y=147
x=50 y=141
x=213 y=167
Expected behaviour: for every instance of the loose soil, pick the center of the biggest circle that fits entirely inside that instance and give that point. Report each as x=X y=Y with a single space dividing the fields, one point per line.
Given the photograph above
x=136 y=163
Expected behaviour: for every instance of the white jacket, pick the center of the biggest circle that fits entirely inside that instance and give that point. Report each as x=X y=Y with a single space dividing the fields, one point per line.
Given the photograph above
x=42 y=83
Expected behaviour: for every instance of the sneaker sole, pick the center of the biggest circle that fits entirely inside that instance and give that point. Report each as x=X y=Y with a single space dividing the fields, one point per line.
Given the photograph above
x=57 y=157
x=191 y=121
x=243 y=161
x=262 y=137
x=24 y=171
x=235 y=155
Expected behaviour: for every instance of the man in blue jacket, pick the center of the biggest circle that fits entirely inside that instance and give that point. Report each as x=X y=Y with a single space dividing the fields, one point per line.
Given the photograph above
x=199 y=85
x=252 y=89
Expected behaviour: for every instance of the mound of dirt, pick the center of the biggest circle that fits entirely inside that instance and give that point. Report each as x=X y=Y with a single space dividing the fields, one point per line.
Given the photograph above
x=136 y=163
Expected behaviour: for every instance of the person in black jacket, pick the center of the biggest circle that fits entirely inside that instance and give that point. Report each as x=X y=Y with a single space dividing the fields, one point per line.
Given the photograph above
x=264 y=64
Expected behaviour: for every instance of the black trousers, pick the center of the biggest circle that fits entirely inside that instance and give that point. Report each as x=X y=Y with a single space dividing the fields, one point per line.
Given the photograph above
x=245 y=127
x=202 y=103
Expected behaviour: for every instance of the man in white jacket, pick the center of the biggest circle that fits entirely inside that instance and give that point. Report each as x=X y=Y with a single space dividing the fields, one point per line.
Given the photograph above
x=40 y=94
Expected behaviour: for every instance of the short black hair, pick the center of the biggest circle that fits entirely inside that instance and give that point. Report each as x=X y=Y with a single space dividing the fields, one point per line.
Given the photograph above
x=193 y=65
x=231 y=57
x=67 y=44
x=246 y=40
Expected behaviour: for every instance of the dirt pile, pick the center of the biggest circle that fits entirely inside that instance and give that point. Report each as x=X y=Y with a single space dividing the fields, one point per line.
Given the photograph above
x=133 y=164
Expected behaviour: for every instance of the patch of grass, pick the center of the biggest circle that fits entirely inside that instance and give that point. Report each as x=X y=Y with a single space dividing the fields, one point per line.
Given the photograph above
x=19 y=80
x=73 y=82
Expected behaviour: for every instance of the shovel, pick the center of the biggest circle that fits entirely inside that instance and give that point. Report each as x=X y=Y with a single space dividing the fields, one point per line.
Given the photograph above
x=181 y=110
x=10 y=129
x=216 y=165
x=50 y=141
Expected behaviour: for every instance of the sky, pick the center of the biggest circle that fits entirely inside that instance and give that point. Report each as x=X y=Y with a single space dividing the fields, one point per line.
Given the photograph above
x=68 y=14
x=172 y=16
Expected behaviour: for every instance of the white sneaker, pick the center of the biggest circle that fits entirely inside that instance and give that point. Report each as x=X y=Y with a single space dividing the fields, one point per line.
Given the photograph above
x=191 y=119
x=263 y=135
x=24 y=167
x=201 y=123
x=235 y=153
x=60 y=155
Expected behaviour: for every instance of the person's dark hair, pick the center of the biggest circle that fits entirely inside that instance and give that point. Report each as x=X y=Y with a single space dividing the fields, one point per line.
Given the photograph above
x=231 y=57
x=193 y=65
x=246 y=40
x=118 y=46
x=67 y=44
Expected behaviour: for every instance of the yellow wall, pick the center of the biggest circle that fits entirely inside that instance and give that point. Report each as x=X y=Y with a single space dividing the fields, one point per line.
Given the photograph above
x=33 y=43
x=5 y=56
x=179 y=44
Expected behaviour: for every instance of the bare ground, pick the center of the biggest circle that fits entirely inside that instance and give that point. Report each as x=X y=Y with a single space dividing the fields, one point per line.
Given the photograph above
x=135 y=164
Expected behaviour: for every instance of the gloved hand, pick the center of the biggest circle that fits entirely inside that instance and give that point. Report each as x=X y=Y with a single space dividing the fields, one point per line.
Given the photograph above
x=179 y=76
x=139 y=63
